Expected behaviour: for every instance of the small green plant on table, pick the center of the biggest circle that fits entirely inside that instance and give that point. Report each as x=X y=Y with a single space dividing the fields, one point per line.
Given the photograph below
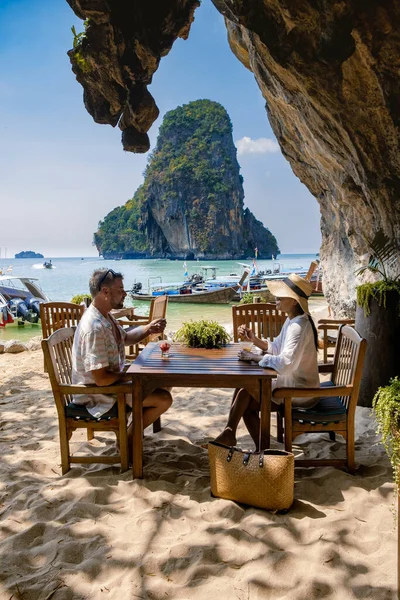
x=202 y=334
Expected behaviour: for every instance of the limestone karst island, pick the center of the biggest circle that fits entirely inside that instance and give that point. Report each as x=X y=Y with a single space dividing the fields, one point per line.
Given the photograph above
x=191 y=202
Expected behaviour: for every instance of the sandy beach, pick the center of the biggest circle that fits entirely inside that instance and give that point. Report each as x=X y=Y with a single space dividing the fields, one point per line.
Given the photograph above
x=95 y=533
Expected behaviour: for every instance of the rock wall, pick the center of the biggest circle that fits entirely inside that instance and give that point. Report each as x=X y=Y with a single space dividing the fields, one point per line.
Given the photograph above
x=329 y=72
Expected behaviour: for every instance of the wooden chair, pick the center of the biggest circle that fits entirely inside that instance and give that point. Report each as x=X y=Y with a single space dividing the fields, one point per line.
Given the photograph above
x=264 y=319
x=335 y=410
x=57 y=351
x=56 y=315
x=158 y=310
x=329 y=341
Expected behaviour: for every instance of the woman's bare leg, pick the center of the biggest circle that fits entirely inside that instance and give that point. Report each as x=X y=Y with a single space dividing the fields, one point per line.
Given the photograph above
x=252 y=421
x=238 y=408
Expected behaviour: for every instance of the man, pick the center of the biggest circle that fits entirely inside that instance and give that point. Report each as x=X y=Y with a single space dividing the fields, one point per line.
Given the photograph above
x=98 y=354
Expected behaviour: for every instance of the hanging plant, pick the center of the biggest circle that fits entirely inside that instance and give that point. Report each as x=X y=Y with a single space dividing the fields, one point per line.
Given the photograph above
x=386 y=405
x=383 y=257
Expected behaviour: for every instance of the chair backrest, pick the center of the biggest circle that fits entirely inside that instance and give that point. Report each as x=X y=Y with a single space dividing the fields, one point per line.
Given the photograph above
x=264 y=319
x=57 y=315
x=348 y=363
x=57 y=350
x=158 y=308
x=328 y=342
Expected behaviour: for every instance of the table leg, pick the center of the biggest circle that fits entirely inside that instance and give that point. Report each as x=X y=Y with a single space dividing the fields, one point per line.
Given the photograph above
x=265 y=417
x=137 y=417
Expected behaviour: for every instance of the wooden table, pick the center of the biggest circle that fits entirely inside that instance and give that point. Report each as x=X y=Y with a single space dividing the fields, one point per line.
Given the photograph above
x=195 y=367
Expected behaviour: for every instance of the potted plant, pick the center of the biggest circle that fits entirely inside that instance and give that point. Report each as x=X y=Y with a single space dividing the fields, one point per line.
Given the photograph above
x=386 y=405
x=378 y=316
x=202 y=334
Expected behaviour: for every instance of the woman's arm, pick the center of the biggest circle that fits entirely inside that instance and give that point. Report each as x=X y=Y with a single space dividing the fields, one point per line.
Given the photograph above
x=286 y=361
x=249 y=356
x=248 y=334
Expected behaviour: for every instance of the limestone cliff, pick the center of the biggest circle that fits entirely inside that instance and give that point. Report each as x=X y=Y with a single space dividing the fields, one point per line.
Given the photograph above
x=329 y=72
x=191 y=202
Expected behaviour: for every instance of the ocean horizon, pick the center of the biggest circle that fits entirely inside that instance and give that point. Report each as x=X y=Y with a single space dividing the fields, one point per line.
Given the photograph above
x=70 y=276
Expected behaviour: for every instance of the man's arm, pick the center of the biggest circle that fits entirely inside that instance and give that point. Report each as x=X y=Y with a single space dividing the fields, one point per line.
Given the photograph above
x=136 y=335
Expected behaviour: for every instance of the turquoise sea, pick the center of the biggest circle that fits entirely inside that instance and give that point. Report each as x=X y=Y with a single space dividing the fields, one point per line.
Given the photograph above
x=71 y=275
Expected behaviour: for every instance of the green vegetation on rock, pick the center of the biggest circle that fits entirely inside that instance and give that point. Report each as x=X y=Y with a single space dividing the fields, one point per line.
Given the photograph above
x=191 y=202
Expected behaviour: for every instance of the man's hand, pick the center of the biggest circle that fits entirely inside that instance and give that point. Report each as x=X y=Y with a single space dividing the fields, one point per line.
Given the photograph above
x=246 y=333
x=157 y=326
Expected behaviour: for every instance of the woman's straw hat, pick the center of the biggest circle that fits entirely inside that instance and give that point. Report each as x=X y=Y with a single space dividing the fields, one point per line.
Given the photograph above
x=294 y=287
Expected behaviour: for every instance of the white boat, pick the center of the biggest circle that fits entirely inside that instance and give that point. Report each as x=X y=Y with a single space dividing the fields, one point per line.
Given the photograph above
x=20 y=298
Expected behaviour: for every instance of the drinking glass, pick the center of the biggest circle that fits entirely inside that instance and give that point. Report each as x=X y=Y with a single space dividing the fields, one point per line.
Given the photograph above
x=164 y=347
x=246 y=345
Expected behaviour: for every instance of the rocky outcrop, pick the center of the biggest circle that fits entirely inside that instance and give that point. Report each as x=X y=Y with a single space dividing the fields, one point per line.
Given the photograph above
x=118 y=54
x=329 y=72
x=191 y=202
x=14 y=347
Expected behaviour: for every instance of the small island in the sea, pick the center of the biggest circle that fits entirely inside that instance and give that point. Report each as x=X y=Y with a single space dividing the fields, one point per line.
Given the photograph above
x=29 y=254
x=191 y=203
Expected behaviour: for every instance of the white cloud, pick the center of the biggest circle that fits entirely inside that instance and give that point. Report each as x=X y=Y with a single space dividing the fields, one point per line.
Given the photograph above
x=261 y=146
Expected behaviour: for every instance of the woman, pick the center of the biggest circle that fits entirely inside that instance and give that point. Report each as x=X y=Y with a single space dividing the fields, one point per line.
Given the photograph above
x=293 y=354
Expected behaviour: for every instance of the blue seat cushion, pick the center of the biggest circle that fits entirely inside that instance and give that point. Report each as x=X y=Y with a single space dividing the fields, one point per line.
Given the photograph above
x=327 y=410
x=80 y=412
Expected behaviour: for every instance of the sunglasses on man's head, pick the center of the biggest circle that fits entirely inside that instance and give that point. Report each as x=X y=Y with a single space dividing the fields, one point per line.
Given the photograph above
x=113 y=273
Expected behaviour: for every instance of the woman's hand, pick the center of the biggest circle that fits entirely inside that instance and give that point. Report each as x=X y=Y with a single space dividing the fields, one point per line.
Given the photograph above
x=249 y=356
x=246 y=333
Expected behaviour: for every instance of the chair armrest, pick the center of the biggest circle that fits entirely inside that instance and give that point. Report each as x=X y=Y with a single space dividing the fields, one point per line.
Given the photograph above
x=336 y=321
x=123 y=322
x=326 y=327
x=77 y=389
x=325 y=367
x=329 y=392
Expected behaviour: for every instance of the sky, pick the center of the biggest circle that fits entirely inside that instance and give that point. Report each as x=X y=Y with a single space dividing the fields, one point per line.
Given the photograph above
x=61 y=173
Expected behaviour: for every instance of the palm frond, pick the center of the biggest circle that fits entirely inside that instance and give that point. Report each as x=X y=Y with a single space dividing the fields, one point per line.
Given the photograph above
x=383 y=248
x=384 y=253
x=368 y=267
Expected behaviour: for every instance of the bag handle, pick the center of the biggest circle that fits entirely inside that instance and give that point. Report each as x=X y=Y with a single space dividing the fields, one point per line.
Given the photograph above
x=261 y=450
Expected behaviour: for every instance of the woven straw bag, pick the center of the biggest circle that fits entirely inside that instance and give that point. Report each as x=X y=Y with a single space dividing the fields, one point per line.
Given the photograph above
x=262 y=479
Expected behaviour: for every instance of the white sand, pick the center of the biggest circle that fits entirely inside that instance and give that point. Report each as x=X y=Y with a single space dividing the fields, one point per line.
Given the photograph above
x=95 y=533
